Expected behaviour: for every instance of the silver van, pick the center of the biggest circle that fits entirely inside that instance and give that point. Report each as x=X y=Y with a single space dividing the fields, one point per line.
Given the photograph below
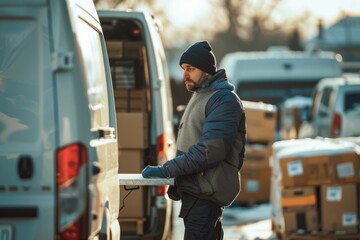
x=335 y=109
x=145 y=116
x=278 y=74
x=58 y=141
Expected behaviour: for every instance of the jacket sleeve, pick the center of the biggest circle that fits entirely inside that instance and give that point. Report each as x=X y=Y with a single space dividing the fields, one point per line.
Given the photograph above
x=223 y=116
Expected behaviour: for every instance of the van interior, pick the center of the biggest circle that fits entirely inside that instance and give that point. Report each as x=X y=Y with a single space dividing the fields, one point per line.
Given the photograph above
x=128 y=60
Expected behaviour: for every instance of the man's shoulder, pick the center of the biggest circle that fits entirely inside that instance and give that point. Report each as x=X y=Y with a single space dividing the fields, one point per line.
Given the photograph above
x=225 y=94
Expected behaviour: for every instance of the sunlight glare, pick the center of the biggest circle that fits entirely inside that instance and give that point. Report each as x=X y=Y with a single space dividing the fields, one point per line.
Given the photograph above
x=186 y=12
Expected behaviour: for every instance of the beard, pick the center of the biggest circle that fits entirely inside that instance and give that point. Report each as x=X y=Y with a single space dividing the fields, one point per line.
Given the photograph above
x=192 y=85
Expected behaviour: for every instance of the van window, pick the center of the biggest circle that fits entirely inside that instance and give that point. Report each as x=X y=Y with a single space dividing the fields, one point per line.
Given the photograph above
x=352 y=101
x=274 y=92
x=325 y=101
x=20 y=98
x=90 y=45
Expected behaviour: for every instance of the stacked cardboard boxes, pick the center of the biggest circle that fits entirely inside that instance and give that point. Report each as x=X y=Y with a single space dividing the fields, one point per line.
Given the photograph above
x=315 y=188
x=131 y=103
x=256 y=172
x=132 y=127
x=130 y=100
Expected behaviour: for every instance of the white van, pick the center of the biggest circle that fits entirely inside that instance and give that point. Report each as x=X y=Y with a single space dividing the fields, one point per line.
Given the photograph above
x=278 y=74
x=58 y=145
x=145 y=116
x=335 y=109
x=275 y=75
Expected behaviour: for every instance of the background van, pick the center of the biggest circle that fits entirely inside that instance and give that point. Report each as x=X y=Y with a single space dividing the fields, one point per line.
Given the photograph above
x=58 y=145
x=278 y=74
x=144 y=112
x=335 y=109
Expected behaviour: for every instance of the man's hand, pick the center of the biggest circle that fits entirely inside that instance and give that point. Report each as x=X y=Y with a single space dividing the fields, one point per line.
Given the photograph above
x=154 y=172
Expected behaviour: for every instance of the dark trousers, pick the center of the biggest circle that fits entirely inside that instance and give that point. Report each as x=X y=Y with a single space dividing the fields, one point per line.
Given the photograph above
x=202 y=219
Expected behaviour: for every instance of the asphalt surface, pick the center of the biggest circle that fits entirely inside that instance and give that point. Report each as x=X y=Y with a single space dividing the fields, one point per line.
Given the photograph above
x=239 y=223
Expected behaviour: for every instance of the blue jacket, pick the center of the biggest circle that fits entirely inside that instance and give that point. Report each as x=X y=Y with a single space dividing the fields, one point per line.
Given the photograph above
x=211 y=143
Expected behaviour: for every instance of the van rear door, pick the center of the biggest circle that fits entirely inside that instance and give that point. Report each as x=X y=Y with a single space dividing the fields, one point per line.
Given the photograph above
x=27 y=136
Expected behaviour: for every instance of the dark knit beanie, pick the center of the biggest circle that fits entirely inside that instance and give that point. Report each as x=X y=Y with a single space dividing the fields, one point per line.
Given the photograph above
x=200 y=55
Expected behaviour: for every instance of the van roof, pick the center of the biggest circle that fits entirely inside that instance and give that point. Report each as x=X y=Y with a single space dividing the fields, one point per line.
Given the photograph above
x=281 y=65
x=353 y=79
x=272 y=54
x=86 y=5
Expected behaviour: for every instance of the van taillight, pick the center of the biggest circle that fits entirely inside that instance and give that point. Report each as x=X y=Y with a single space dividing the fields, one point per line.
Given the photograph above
x=72 y=193
x=161 y=146
x=161 y=190
x=335 y=125
x=69 y=160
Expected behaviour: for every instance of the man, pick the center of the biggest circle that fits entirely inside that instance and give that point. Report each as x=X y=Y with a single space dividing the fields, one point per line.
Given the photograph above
x=210 y=146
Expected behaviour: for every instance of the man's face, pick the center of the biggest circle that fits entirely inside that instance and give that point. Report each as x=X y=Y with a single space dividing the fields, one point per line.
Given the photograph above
x=193 y=77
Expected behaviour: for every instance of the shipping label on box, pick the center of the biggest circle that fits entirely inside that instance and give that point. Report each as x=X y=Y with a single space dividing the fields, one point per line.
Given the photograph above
x=334 y=194
x=293 y=172
x=346 y=168
x=252 y=185
x=339 y=207
x=349 y=219
x=295 y=168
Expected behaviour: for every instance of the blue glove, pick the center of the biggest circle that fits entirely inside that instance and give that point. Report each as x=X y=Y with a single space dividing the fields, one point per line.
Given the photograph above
x=154 y=172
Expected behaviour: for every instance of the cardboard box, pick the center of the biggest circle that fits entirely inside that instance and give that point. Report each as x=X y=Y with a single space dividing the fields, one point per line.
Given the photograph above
x=138 y=100
x=132 y=202
x=255 y=185
x=258 y=154
x=304 y=219
x=320 y=169
x=299 y=207
x=346 y=167
x=114 y=49
x=132 y=130
x=130 y=100
x=298 y=197
x=261 y=121
x=131 y=161
x=339 y=208
x=306 y=171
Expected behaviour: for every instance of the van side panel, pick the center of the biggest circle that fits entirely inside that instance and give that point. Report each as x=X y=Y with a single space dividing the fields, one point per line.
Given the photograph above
x=55 y=93
x=27 y=134
x=163 y=100
x=85 y=87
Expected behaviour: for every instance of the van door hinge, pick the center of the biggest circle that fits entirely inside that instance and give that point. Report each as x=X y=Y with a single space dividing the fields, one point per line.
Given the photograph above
x=157 y=84
x=62 y=61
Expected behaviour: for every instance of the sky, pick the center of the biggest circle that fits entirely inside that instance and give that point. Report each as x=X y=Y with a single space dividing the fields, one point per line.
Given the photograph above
x=185 y=12
x=327 y=10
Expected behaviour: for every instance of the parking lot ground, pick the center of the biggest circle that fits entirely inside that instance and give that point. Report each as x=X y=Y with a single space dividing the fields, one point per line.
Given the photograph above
x=239 y=223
